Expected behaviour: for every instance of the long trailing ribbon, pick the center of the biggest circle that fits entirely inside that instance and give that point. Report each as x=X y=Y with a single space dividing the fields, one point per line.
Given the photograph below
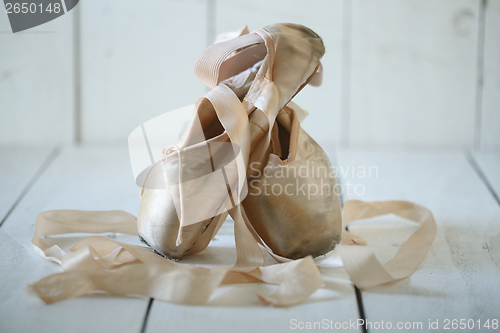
x=99 y=264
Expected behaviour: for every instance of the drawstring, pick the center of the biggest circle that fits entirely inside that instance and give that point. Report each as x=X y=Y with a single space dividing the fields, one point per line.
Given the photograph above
x=164 y=154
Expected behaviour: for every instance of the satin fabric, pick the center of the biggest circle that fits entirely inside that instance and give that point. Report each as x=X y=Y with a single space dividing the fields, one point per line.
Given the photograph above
x=293 y=54
x=292 y=201
x=99 y=264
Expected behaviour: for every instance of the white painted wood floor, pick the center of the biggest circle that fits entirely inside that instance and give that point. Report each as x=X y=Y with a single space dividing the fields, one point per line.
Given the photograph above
x=459 y=278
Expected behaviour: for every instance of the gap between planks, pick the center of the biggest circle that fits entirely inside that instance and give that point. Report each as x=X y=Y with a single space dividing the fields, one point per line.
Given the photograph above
x=480 y=75
x=359 y=296
x=146 y=315
x=77 y=75
x=210 y=38
x=473 y=163
x=43 y=167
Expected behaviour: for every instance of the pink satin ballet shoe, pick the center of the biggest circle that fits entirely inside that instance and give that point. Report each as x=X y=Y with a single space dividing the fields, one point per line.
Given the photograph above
x=289 y=56
x=293 y=201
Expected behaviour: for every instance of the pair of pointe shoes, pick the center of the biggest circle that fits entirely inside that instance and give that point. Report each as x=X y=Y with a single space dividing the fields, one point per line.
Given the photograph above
x=290 y=199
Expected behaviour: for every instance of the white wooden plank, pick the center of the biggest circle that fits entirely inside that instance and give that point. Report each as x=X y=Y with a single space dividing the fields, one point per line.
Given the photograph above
x=490 y=131
x=325 y=18
x=36 y=83
x=18 y=166
x=458 y=278
x=237 y=308
x=137 y=62
x=489 y=162
x=88 y=179
x=413 y=72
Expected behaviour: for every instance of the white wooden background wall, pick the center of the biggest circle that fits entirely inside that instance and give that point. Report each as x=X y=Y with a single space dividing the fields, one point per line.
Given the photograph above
x=397 y=73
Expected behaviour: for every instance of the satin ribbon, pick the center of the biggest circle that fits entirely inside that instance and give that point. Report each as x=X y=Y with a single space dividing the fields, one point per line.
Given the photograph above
x=99 y=264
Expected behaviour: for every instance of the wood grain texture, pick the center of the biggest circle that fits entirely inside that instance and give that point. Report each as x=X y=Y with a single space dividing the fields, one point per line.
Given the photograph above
x=322 y=16
x=490 y=127
x=413 y=72
x=489 y=163
x=236 y=308
x=458 y=278
x=137 y=62
x=406 y=71
x=36 y=83
x=228 y=315
x=87 y=179
x=19 y=165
